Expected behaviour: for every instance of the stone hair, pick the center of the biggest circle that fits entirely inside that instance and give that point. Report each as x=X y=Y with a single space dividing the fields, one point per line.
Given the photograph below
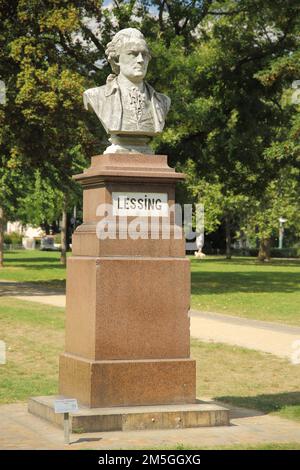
x=113 y=48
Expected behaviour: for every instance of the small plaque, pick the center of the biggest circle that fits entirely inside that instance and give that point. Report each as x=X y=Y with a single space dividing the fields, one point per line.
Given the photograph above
x=67 y=405
x=140 y=204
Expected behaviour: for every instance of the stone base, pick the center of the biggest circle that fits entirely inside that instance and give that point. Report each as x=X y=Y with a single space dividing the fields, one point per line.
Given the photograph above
x=133 y=418
x=127 y=383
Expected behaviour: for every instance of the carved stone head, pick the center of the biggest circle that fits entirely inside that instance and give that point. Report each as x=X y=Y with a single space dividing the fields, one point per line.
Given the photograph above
x=131 y=111
x=128 y=54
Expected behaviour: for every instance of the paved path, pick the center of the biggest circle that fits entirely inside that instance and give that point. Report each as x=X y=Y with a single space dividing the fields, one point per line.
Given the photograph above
x=55 y=300
x=34 y=292
x=25 y=431
x=268 y=337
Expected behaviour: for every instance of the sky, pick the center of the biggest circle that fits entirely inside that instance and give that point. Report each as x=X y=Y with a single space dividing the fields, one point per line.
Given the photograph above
x=106 y=3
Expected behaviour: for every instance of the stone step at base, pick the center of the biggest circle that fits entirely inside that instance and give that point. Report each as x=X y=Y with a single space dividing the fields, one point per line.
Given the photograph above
x=132 y=418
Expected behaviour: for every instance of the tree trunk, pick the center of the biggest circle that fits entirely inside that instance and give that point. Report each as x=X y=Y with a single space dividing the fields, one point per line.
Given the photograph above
x=1 y=236
x=64 y=247
x=228 y=236
x=264 y=249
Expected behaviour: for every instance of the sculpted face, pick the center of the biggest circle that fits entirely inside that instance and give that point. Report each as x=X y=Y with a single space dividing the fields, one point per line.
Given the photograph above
x=133 y=61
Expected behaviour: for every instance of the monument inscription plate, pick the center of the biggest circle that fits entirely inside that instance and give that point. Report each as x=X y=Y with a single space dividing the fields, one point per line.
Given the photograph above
x=140 y=204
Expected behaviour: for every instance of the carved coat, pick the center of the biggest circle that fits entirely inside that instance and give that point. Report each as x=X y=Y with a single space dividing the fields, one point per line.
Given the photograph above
x=106 y=102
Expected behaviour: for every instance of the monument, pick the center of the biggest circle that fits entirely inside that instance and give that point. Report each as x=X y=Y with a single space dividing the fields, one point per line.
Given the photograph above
x=130 y=110
x=127 y=353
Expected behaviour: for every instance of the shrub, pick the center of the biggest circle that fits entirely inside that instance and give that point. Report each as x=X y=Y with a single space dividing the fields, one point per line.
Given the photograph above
x=275 y=252
x=284 y=252
x=57 y=238
x=13 y=238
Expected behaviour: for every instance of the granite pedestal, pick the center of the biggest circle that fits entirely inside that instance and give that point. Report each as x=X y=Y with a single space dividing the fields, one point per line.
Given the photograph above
x=127 y=324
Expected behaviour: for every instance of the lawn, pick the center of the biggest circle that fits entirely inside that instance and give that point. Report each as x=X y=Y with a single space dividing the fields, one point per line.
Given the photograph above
x=247 y=378
x=34 y=337
x=34 y=334
x=247 y=288
x=33 y=266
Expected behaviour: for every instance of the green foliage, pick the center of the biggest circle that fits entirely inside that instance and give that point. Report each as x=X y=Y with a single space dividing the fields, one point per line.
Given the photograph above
x=280 y=199
x=12 y=238
x=42 y=122
x=227 y=65
x=43 y=202
x=57 y=238
x=232 y=125
x=293 y=252
x=218 y=201
x=285 y=252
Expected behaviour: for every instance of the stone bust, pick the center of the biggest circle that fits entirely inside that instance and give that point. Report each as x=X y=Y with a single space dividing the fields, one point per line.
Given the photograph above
x=130 y=110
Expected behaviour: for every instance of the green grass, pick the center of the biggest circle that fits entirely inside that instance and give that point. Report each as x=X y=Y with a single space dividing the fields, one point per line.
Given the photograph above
x=247 y=379
x=34 y=335
x=20 y=312
x=33 y=266
x=246 y=288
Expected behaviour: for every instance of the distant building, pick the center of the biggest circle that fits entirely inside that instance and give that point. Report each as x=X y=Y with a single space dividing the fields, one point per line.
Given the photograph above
x=27 y=231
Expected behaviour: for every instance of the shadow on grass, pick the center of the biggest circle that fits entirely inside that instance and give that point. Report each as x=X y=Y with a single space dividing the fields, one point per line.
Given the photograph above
x=247 y=262
x=37 y=267
x=265 y=403
x=239 y=281
x=51 y=287
x=25 y=259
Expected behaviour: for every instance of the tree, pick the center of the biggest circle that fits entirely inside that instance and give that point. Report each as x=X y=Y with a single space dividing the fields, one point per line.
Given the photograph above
x=221 y=62
x=1 y=236
x=45 y=70
x=226 y=116
x=219 y=204
x=280 y=199
x=41 y=203
x=12 y=185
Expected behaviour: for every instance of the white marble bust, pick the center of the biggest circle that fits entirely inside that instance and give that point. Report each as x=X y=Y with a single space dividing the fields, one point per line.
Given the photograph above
x=130 y=110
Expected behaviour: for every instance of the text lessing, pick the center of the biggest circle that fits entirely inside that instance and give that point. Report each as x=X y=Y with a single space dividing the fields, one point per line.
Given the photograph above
x=145 y=203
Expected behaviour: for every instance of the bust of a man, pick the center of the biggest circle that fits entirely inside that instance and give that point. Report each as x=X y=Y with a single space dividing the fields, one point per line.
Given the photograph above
x=130 y=110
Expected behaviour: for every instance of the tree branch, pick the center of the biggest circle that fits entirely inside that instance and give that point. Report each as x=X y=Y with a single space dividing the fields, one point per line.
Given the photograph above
x=275 y=102
x=227 y=13
x=93 y=38
x=72 y=52
x=160 y=15
x=263 y=54
x=175 y=24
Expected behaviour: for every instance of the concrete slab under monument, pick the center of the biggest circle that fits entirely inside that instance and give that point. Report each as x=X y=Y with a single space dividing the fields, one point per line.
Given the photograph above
x=133 y=418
